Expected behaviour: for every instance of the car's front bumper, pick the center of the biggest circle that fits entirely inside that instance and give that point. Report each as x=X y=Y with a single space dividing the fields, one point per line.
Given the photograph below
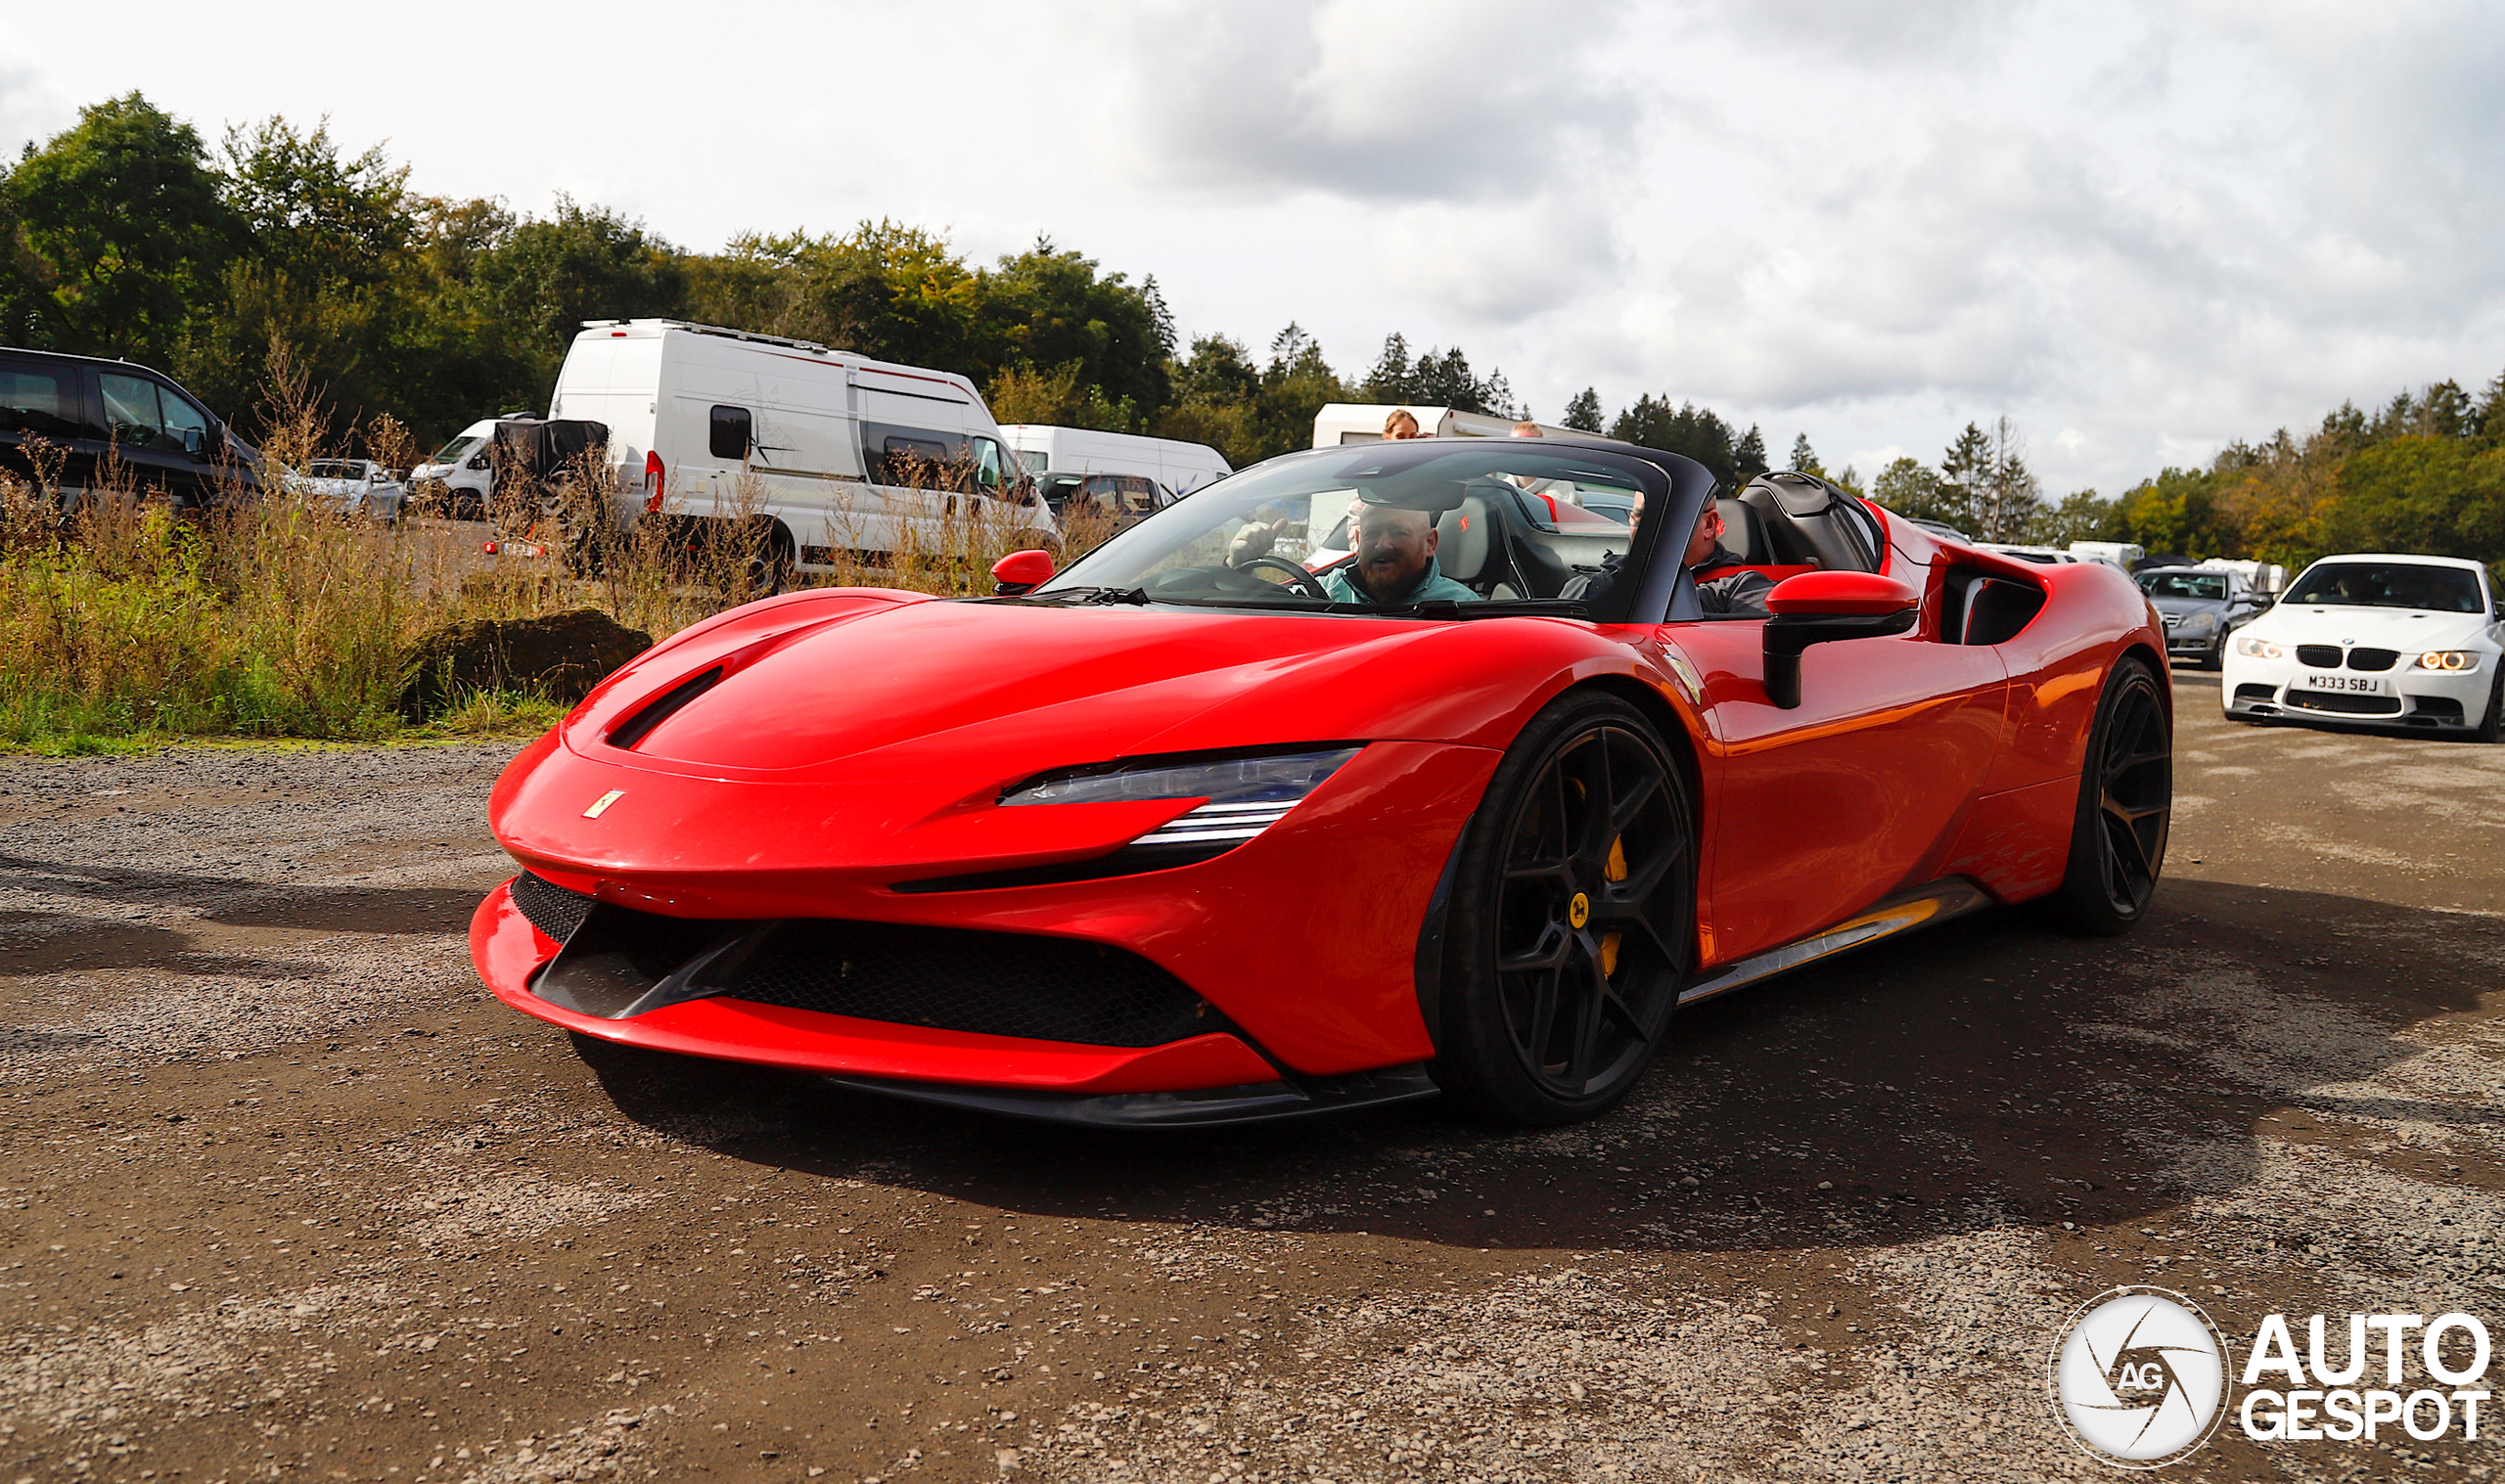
x=2403 y=697
x=1197 y=1080
x=2187 y=640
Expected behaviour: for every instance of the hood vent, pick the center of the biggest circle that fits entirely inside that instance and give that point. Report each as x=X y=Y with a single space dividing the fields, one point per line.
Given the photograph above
x=634 y=729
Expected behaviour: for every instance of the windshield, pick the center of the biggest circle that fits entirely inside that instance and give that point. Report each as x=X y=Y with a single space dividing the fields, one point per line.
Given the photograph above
x=457 y=450
x=1378 y=525
x=2387 y=585
x=335 y=468
x=2184 y=584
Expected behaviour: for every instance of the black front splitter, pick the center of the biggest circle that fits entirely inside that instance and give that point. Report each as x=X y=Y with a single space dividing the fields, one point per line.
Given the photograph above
x=1248 y=1102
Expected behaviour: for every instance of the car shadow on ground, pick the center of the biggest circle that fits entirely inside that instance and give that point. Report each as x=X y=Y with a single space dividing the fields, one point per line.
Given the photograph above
x=44 y=942
x=1992 y=1069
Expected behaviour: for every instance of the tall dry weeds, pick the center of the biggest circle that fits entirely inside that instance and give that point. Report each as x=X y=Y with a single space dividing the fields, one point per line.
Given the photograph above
x=124 y=615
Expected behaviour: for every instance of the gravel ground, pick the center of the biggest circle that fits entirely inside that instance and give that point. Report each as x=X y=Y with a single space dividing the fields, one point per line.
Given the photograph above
x=288 y=1195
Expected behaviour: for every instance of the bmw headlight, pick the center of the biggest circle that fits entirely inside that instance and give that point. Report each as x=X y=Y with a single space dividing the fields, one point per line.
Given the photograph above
x=1241 y=796
x=2259 y=649
x=2448 y=659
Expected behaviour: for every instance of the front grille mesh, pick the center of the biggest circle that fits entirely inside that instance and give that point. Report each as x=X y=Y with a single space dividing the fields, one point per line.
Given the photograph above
x=2347 y=704
x=2322 y=656
x=946 y=979
x=550 y=908
x=2372 y=659
x=949 y=978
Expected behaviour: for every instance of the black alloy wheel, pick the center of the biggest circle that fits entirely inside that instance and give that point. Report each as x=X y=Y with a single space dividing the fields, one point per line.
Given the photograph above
x=1571 y=917
x=2492 y=723
x=2126 y=798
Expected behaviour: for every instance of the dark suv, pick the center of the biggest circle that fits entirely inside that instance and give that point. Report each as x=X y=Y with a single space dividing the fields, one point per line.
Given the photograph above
x=90 y=410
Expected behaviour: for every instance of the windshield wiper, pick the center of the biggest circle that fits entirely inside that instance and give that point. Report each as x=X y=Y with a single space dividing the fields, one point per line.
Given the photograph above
x=1092 y=595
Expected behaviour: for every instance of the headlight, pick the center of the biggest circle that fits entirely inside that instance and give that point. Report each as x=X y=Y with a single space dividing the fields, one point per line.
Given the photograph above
x=2448 y=659
x=2259 y=649
x=2200 y=620
x=1244 y=795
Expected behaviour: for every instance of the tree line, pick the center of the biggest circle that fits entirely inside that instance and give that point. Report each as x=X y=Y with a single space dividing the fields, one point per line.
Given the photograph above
x=127 y=234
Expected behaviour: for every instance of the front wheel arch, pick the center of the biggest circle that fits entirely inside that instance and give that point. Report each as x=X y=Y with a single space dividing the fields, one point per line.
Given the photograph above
x=1434 y=963
x=1571 y=915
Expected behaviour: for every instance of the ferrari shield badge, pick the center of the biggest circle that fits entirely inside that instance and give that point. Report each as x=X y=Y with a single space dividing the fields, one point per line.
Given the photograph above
x=600 y=805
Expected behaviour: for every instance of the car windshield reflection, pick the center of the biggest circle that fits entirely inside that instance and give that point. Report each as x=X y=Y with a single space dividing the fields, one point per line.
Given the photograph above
x=1423 y=528
x=2387 y=585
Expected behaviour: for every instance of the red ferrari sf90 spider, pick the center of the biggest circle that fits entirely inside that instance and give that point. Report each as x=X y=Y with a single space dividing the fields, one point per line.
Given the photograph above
x=1366 y=774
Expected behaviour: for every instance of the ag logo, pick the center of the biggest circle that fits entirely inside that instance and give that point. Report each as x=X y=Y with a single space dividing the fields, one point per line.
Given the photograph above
x=2139 y=1377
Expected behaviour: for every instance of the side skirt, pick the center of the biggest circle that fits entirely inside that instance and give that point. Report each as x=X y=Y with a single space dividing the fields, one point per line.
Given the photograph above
x=1919 y=908
x=1252 y=1102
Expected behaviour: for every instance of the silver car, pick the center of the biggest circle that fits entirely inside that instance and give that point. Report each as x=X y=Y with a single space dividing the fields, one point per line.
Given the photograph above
x=2201 y=607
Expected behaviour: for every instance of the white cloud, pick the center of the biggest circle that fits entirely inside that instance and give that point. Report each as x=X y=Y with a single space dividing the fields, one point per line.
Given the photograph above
x=2139 y=228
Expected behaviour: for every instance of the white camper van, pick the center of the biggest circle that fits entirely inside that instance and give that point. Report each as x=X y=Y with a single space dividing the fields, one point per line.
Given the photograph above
x=1341 y=423
x=838 y=451
x=1180 y=467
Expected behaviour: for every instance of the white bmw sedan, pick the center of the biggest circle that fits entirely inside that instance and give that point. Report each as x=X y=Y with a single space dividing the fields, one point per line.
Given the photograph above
x=2408 y=642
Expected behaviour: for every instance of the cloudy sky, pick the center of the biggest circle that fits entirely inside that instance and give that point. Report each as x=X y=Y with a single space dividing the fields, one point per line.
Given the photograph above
x=2138 y=230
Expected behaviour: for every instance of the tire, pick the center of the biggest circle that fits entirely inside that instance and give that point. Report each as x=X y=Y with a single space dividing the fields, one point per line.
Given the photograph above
x=2125 y=802
x=773 y=562
x=2491 y=726
x=1546 y=1018
x=2216 y=658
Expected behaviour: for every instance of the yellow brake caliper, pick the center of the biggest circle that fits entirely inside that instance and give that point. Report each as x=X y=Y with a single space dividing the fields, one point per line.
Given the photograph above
x=1615 y=871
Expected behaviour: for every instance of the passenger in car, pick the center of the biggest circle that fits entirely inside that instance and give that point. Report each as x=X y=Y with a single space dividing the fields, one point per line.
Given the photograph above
x=1740 y=591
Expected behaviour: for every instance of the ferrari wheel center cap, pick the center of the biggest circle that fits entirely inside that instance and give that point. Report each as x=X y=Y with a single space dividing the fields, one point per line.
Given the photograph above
x=1579 y=911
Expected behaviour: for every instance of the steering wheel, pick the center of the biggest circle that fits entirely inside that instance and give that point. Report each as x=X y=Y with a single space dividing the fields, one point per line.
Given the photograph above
x=1297 y=577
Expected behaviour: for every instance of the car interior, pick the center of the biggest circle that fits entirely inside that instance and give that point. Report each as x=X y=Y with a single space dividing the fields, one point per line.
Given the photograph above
x=1786 y=523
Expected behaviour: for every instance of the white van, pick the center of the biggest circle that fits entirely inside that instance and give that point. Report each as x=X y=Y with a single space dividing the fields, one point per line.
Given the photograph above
x=841 y=452
x=456 y=479
x=1180 y=467
x=1341 y=423
x=2121 y=556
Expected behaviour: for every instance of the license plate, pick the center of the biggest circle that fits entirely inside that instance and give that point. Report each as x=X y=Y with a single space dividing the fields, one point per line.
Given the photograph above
x=2315 y=680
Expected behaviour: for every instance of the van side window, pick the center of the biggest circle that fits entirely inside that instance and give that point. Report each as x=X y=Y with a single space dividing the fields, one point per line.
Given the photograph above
x=920 y=461
x=987 y=464
x=132 y=414
x=43 y=400
x=730 y=435
x=186 y=424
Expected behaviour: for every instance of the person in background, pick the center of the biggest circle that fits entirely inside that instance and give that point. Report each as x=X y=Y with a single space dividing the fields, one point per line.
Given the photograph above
x=1402 y=423
x=1526 y=430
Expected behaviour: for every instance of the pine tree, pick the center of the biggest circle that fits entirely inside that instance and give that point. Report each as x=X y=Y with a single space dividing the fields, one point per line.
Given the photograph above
x=1583 y=413
x=2490 y=416
x=2012 y=502
x=1804 y=459
x=1964 y=470
x=1748 y=458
